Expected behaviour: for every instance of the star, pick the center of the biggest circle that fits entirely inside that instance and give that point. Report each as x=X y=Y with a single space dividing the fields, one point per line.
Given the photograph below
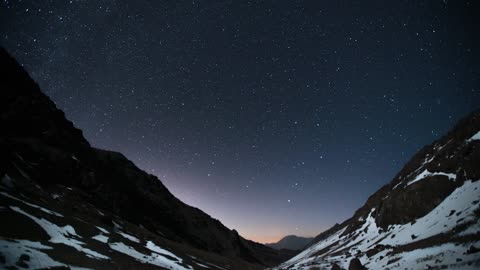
x=298 y=103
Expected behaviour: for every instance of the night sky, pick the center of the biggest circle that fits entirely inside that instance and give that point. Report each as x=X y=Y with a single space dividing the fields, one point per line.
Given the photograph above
x=275 y=117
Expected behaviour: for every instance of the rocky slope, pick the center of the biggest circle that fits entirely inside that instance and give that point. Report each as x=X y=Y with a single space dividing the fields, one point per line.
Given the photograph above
x=291 y=242
x=427 y=217
x=64 y=203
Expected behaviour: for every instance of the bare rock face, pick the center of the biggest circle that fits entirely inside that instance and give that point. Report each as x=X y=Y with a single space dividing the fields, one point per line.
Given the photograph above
x=335 y=267
x=355 y=264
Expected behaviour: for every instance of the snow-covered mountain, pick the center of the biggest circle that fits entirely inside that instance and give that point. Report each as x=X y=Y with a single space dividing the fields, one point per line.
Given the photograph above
x=427 y=217
x=67 y=205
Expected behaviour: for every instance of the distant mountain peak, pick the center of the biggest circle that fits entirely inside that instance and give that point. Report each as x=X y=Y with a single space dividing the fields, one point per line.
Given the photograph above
x=292 y=242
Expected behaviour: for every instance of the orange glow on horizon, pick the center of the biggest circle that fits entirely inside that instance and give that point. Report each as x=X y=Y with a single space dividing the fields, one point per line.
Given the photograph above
x=264 y=239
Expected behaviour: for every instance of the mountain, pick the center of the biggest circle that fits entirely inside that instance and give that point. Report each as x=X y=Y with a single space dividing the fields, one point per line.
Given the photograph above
x=291 y=242
x=427 y=217
x=64 y=203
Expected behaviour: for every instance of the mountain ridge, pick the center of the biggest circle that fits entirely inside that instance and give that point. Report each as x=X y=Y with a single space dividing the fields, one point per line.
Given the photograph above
x=292 y=242
x=43 y=153
x=386 y=232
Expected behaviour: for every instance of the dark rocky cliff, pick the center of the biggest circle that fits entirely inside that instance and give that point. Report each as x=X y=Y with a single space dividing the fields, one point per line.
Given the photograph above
x=42 y=151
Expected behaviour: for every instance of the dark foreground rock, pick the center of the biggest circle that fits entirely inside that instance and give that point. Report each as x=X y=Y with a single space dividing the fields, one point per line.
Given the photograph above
x=355 y=264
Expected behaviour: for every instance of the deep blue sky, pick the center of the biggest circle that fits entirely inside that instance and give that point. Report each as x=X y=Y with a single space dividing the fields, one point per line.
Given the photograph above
x=276 y=117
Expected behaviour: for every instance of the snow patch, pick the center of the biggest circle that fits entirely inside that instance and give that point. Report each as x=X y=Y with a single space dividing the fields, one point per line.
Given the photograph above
x=12 y=251
x=202 y=265
x=62 y=235
x=154 y=258
x=426 y=174
x=129 y=237
x=31 y=204
x=449 y=254
x=427 y=160
x=116 y=226
x=474 y=137
x=399 y=183
x=150 y=245
x=102 y=238
x=102 y=229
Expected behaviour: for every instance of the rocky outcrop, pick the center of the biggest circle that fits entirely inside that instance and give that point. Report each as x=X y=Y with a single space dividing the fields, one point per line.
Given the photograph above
x=335 y=267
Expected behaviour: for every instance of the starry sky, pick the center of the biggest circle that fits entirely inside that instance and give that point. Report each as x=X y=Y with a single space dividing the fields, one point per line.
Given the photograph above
x=276 y=117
